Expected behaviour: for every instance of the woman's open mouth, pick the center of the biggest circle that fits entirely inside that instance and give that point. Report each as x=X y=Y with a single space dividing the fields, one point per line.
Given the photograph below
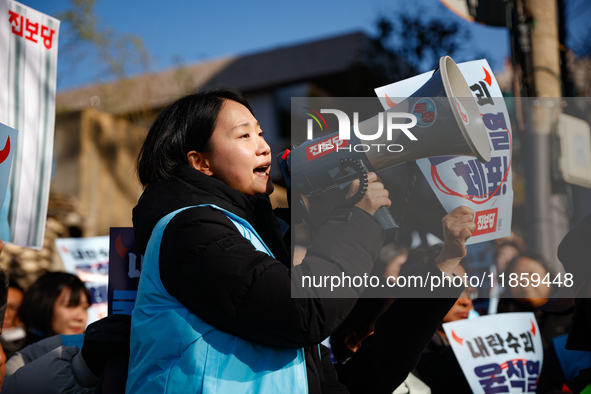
x=262 y=171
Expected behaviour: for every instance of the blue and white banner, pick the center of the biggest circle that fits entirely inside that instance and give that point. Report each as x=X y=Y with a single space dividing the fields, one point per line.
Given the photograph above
x=88 y=258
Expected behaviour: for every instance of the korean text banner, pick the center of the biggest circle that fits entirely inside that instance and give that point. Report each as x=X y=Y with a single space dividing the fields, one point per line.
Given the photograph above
x=463 y=180
x=88 y=258
x=498 y=353
x=32 y=72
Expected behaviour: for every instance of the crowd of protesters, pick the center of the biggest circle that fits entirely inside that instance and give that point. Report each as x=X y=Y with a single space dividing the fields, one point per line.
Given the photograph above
x=215 y=311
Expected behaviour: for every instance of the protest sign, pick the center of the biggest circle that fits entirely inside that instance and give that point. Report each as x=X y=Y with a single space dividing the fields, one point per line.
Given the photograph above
x=30 y=108
x=125 y=265
x=498 y=353
x=463 y=180
x=88 y=258
x=8 y=136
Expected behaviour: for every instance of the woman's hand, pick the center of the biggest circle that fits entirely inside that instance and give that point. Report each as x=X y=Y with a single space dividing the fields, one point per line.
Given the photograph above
x=375 y=197
x=458 y=226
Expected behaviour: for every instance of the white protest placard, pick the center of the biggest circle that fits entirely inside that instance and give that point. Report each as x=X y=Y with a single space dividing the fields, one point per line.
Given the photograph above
x=88 y=258
x=32 y=73
x=8 y=136
x=463 y=180
x=499 y=353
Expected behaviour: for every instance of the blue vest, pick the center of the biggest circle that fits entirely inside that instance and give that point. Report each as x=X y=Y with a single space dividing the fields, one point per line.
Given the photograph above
x=174 y=351
x=571 y=361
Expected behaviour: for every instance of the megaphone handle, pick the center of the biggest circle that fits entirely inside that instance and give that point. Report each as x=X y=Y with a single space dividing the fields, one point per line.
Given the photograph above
x=384 y=218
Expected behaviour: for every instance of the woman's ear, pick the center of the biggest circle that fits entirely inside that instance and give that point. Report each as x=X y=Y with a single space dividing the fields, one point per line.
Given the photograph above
x=200 y=162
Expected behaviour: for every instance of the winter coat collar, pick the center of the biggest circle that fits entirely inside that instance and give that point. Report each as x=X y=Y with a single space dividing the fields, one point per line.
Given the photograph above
x=187 y=187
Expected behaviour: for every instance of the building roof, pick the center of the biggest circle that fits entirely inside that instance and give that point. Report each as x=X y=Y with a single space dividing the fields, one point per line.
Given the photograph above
x=248 y=73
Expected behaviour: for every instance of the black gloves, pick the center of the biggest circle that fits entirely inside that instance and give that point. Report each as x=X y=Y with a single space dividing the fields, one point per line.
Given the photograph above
x=106 y=338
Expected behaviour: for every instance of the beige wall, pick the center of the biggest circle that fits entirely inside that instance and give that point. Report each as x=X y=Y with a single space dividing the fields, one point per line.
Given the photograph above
x=94 y=164
x=109 y=188
x=66 y=154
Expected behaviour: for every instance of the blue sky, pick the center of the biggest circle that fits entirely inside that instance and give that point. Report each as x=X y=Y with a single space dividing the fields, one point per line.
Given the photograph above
x=179 y=31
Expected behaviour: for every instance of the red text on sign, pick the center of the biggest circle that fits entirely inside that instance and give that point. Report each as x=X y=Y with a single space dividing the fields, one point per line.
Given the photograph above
x=486 y=221
x=17 y=23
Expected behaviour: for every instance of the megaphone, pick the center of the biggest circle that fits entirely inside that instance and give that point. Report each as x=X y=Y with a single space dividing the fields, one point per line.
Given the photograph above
x=448 y=123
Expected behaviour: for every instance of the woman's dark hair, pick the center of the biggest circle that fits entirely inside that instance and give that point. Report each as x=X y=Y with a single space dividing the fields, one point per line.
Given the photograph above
x=420 y=258
x=185 y=125
x=388 y=253
x=14 y=284
x=527 y=254
x=36 y=311
x=512 y=244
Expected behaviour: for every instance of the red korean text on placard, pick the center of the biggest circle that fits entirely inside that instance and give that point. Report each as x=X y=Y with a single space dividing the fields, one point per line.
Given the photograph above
x=21 y=26
x=47 y=35
x=486 y=221
x=32 y=31
x=16 y=22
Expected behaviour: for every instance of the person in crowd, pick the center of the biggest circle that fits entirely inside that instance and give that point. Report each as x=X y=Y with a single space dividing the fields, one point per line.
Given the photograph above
x=208 y=148
x=568 y=360
x=13 y=335
x=391 y=258
x=51 y=365
x=504 y=253
x=505 y=250
x=56 y=303
x=530 y=295
x=214 y=309
x=75 y=364
x=360 y=324
x=382 y=362
x=438 y=366
x=15 y=299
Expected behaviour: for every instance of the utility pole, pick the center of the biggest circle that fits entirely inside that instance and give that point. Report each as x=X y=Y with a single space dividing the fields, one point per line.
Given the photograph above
x=547 y=217
x=538 y=88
